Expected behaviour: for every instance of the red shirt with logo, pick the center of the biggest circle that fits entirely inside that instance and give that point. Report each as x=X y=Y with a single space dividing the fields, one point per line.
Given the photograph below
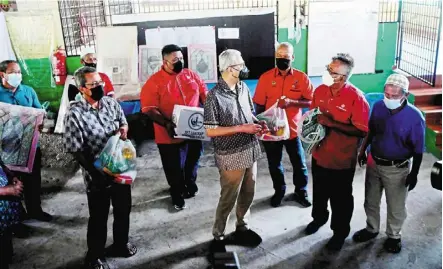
x=338 y=150
x=163 y=91
x=295 y=85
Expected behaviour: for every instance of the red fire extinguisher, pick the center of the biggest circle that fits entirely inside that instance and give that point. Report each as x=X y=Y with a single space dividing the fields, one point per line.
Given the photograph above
x=59 y=66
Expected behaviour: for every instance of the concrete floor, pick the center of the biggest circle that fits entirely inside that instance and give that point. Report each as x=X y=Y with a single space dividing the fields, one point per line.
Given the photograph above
x=179 y=240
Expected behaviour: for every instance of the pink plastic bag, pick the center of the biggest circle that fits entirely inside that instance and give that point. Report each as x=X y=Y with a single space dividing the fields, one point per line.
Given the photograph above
x=277 y=122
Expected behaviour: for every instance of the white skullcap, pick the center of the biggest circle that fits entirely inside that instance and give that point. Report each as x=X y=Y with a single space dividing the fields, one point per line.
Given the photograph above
x=85 y=51
x=398 y=80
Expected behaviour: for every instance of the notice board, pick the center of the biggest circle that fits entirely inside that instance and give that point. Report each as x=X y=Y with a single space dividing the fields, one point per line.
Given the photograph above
x=342 y=26
x=256 y=37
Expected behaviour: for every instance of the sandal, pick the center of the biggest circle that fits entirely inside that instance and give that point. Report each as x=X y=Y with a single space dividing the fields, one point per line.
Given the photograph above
x=392 y=245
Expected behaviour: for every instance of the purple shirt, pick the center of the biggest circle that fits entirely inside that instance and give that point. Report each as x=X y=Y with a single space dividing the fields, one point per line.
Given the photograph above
x=397 y=136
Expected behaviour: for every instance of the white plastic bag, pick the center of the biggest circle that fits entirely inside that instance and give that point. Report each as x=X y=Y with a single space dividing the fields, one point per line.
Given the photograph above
x=310 y=132
x=117 y=159
x=277 y=122
x=63 y=109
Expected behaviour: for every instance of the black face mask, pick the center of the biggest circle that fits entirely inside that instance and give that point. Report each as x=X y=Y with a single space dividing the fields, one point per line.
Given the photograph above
x=244 y=73
x=178 y=67
x=282 y=63
x=93 y=65
x=97 y=93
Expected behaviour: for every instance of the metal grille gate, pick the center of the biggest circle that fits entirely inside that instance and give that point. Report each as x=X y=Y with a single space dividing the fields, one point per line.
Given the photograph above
x=80 y=17
x=419 y=38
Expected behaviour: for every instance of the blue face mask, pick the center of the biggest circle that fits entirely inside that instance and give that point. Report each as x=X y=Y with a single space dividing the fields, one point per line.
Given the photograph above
x=14 y=79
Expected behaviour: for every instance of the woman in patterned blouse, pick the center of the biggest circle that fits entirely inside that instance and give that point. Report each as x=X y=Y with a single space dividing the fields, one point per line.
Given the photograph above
x=10 y=190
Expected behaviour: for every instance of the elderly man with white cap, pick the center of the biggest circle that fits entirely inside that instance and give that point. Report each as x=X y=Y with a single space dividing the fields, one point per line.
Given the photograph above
x=397 y=139
x=88 y=58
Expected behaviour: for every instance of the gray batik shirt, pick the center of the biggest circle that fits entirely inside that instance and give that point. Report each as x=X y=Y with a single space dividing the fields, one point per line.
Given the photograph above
x=88 y=129
x=225 y=108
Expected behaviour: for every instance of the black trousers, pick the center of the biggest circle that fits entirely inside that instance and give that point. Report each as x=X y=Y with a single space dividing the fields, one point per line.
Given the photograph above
x=99 y=202
x=180 y=164
x=6 y=249
x=32 y=185
x=334 y=186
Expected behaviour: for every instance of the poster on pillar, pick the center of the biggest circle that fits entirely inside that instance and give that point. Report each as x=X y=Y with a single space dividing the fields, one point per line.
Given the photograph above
x=342 y=27
x=150 y=61
x=202 y=59
x=120 y=62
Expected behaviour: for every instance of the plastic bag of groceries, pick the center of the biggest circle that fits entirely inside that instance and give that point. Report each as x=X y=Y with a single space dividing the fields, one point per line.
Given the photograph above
x=310 y=131
x=117 y=159
x=277 y=123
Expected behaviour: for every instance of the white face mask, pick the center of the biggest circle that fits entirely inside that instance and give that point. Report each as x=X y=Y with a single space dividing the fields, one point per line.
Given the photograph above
x=14 y=79
x=392 y=103
x=327 y=79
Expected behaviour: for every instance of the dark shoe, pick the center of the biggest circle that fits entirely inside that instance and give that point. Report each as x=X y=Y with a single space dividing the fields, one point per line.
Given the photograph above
x=312 y=227
x=363 y=236
x=277 y=198
x=301 y=197
x=392 y=245
x=125 y=251
x=41 y=216
x=335 y=243
x=247 y=238
x=190 y=194
x=217 y=246
x=96 y=264
x=179 y=203
x=21 y=231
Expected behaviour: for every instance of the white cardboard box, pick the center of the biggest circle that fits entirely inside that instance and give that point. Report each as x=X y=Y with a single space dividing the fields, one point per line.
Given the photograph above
x=189 y=122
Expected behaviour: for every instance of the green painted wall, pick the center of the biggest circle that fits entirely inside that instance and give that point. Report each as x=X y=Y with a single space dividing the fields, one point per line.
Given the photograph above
x=73 y=63
x=37 y=74
x=385 y=58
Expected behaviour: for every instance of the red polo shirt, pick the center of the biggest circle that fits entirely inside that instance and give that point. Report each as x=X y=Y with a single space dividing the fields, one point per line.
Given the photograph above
x=164 y=91
x=338 y=150
x=109 y=88
x=295 y=85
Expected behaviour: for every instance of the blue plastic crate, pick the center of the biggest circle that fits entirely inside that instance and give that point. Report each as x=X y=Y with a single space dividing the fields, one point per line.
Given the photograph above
x=373 y=98
x=130 y=107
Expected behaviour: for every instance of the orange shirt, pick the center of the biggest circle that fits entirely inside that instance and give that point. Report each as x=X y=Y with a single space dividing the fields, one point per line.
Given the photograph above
x=272 y=85
x=338 y=150
x=163 y=91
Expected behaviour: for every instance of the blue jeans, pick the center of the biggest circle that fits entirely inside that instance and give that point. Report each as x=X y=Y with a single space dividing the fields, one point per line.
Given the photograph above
x=294 y=148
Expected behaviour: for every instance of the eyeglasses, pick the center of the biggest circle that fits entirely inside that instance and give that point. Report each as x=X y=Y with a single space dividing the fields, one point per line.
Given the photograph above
x=95 y=84
x=241 y=65
x=333 y=73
